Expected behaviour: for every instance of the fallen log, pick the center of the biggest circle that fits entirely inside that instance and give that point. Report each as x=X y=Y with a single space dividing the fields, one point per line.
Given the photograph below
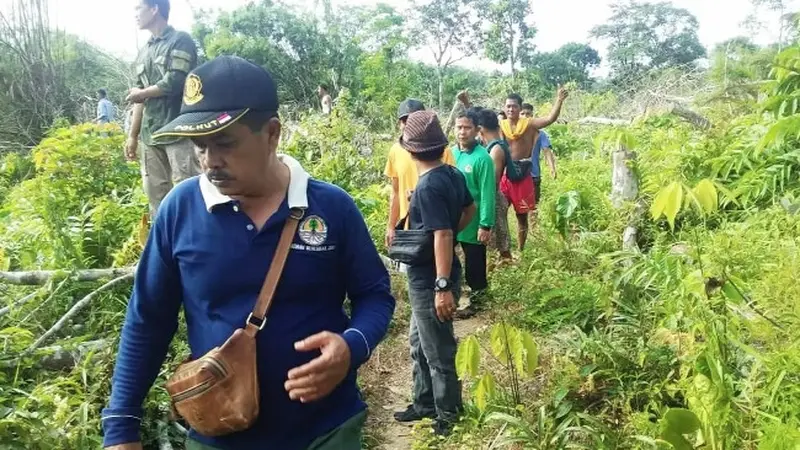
x=74 y=310
x=51 y=297
x=61 y=357
x=602 y=121
x=18 y=303
x=41 y=277
x=692 y=117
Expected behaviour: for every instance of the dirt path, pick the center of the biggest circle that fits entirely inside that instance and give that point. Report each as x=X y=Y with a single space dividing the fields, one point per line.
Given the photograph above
x=387 y=381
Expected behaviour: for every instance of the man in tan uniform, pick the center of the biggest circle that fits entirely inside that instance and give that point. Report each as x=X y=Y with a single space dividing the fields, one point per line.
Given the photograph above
x=161 y=70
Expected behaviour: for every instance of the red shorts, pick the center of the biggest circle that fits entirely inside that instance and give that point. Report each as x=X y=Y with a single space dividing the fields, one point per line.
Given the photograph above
x=521 y=194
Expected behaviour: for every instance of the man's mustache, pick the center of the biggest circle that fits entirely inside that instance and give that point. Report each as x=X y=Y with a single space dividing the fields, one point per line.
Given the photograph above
x=219 y=175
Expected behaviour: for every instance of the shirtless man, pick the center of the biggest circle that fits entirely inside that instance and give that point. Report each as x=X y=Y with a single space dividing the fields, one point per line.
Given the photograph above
x=521 y=134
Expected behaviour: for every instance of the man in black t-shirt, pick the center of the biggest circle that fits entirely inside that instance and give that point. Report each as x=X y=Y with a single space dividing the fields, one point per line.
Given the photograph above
x=442 y=205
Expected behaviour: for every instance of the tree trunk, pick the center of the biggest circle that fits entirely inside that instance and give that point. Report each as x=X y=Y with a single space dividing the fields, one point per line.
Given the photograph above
x=624 y=185
x=440 y=76
x=625 y=189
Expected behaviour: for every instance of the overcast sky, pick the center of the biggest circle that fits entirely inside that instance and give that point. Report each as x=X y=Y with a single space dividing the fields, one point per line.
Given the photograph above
x=110 y=23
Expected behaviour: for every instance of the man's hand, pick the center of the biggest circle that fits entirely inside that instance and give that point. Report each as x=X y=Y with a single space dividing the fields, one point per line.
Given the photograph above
x=130 y=149
x=484 y=236
x=319 y=377
x=463 y=97
x=445 y=306
x=389 y=236
x=136 y=95
x=563 y=93
x=128 y=446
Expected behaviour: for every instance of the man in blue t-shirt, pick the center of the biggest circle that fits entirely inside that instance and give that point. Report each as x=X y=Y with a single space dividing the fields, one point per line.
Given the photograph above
x=208 y=252
x=542 y=146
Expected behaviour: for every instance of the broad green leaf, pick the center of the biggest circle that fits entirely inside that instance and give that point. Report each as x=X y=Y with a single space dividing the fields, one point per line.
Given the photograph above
x=5 y=261
x=144 y=229
x=506 y=341
x=678 y=441
x=498 y=342
x=694 y=283
x=668 y=202
x=517 y=349
x=673 y=205
x=706 y=194
x=659 y=203
x=484 y=391
x=563 y=409
x=531 y=353
x=468 y=358
x=681 y=421
x=731 y=293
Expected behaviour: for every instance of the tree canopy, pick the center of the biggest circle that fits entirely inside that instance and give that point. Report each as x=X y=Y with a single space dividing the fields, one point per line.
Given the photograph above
x=646 y=36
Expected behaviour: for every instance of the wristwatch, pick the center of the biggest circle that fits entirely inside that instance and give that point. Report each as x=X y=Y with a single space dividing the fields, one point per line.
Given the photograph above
x=443 y=284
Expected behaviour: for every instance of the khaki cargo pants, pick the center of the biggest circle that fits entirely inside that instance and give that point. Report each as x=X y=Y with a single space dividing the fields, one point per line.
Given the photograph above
x=346 y=437
x=164 y=166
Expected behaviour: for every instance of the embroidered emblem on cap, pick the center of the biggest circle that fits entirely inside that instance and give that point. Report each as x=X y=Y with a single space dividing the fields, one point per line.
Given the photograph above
x=192 y=92
x=313 y=231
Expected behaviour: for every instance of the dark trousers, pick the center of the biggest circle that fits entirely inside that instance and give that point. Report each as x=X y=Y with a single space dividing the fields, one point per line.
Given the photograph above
x=537 y=184
x=437 y=388
x=475 y=266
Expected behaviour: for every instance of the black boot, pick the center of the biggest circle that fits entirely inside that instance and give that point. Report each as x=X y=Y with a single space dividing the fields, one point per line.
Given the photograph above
x=411 y=415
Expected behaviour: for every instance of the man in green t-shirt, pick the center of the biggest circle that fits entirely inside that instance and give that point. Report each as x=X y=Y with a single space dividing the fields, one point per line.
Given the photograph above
x=474 y=162
x=161 y=72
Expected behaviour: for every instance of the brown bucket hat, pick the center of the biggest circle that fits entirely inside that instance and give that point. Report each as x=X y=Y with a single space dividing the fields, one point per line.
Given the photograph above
x=423 y=133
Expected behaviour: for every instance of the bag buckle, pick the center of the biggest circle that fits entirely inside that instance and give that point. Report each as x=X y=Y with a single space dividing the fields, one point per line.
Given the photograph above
x=297 y=213
x=260 y=326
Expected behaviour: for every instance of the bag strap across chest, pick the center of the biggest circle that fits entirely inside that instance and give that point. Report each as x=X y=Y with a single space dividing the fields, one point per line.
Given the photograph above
x=267 y=293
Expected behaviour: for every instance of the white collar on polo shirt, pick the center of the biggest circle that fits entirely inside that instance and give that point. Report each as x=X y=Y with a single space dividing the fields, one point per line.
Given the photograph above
x=297 y=195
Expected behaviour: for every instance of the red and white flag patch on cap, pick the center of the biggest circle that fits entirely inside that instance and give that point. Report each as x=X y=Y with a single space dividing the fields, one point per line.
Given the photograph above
x=224 y=118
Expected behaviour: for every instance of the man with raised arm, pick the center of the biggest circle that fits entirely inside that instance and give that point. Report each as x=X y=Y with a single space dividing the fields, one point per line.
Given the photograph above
x=521 y=134
x=542 y=146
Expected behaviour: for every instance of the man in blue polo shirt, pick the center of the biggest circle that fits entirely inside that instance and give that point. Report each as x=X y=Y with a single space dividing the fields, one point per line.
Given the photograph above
x=209 y=249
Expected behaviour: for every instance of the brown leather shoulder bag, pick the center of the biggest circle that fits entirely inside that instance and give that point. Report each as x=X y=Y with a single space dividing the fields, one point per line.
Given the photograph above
x=218 y=393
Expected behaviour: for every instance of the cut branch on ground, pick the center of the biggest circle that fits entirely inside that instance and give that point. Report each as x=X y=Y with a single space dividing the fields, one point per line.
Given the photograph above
x=75 y=310
x=61 y=357
x=6 y=309
x=41 y=277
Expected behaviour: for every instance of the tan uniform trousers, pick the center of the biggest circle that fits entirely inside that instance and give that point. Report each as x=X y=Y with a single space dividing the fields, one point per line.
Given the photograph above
x=164 y=166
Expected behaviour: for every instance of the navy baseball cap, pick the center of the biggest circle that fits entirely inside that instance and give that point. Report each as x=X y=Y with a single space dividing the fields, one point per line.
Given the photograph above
x=219 y=93
x=409 y=106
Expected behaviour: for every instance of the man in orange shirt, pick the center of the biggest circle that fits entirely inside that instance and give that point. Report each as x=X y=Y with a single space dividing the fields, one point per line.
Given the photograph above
x=402 y=170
